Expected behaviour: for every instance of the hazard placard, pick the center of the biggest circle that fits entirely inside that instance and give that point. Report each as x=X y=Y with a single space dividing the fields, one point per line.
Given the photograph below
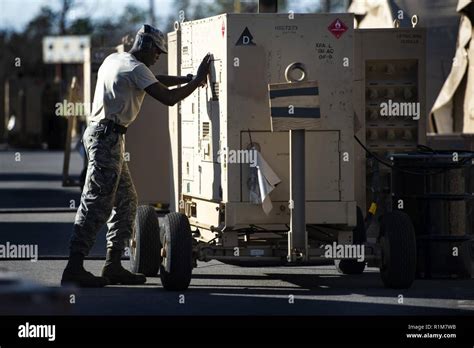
x=337 y=28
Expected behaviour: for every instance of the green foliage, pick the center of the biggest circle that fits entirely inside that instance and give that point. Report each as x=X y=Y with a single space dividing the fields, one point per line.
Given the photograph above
x=109 y=32
x=81 y=26
x=41 y=25
x=132 y=17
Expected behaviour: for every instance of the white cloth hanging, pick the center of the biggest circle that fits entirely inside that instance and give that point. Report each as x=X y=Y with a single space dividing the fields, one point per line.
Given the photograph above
x=262 y=181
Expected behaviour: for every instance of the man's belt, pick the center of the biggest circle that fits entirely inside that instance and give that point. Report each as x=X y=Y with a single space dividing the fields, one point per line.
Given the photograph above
x=111 y=126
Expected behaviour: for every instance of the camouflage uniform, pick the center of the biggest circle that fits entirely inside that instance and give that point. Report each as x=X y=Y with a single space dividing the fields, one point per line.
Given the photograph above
x=108 y=195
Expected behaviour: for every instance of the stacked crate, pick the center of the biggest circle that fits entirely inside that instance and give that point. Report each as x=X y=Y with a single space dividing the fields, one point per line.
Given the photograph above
x=389 y=69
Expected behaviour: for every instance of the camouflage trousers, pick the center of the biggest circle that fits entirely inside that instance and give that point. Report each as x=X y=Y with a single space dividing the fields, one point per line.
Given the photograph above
x=108 y=194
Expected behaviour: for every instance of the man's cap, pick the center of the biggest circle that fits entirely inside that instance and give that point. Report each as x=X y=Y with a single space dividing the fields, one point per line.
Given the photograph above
x=156 y=35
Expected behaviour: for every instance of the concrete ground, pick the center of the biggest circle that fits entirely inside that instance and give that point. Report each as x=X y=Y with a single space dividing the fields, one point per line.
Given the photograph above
x=36 y=209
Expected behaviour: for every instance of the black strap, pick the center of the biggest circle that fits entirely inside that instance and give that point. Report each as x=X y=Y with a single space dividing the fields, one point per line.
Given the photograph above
x=118 y=128
x=114 y=127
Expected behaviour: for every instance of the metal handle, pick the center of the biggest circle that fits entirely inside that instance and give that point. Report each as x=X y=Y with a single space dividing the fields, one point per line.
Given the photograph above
x=292 y=67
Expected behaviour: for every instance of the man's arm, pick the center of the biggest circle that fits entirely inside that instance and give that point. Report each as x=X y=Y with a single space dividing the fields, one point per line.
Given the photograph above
x=171 y=96
x=170 y=81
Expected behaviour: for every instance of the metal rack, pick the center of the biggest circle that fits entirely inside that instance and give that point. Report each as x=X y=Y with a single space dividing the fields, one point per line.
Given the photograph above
x=435 y=189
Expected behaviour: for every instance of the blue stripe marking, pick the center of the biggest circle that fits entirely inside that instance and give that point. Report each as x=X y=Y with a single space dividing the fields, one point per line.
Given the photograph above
x=293 y=92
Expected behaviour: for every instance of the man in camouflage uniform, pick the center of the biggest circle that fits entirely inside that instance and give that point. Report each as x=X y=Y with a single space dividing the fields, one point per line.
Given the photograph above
x=109 y=194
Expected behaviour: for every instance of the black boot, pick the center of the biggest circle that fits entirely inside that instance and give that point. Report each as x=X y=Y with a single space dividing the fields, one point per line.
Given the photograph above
x=116 y=274
x=75 y=274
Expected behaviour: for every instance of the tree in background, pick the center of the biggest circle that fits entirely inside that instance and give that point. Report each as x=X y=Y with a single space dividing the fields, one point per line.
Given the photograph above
x=28 y=44
x=110 y=32
x=333 y=6
x=81 y=26
x=67 y=5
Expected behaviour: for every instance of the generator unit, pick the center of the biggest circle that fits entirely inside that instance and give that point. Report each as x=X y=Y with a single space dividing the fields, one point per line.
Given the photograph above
x=249 y=52
x=278 y=83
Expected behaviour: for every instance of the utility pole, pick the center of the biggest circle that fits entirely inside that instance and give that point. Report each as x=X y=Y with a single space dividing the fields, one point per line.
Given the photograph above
x=267 y=6
x=152 y=12
x=237 y=8
x=66 y=6
x=327 y=7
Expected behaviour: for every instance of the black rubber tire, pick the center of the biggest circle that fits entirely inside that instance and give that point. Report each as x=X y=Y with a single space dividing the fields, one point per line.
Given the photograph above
x=359 y=237
x=177 y=240
x=398 y=240
x=145 y=257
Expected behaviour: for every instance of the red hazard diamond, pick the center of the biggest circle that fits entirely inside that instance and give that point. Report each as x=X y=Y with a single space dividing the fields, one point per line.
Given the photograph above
x=337 y=28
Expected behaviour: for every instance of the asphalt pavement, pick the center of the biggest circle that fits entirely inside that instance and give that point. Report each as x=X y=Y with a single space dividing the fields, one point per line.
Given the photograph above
x=219 y=289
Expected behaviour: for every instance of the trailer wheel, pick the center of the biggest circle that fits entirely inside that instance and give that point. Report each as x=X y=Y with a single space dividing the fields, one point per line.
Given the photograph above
x=145 y=243
x=359 y=237
x=398 y=241
x=177 y=264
